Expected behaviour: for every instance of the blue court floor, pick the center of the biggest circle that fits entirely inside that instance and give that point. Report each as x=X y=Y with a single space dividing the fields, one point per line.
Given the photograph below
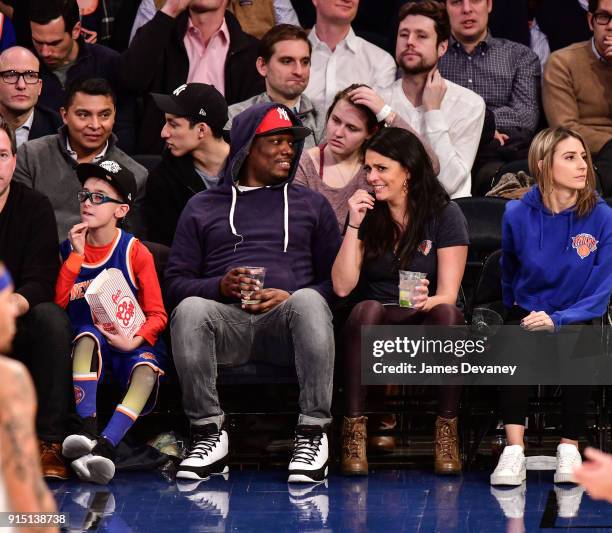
x=387 y=500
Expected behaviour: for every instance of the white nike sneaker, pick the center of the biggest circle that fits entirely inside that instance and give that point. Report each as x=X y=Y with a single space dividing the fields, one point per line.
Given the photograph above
x=310 y=455
x=568 y=457
x=207 y=454
x=511 y=467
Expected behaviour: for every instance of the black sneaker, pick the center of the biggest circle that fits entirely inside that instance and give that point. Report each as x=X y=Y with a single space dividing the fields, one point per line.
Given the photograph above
x=99 y=465
x=83 y=440
x=207 y=454
x=310 y=455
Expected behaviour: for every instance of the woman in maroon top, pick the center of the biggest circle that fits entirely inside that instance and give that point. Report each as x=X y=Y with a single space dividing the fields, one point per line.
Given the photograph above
x=335 y=168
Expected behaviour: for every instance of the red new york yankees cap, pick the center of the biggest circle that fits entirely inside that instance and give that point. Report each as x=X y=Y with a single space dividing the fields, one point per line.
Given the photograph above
x=277 y=121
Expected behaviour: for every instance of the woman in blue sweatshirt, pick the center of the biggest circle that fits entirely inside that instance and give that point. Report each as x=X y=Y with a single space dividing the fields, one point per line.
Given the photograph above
x=556 y=270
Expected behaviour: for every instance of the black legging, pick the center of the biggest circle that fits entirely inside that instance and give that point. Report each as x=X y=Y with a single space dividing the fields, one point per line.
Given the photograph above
x=373 y=313
x=514 y=399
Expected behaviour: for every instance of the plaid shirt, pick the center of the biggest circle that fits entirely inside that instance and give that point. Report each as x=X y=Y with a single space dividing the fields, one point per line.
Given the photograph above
x=507 y=76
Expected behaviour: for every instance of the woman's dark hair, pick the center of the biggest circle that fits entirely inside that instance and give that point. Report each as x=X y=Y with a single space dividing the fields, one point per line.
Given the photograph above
x=425 y=196
x=371 y=122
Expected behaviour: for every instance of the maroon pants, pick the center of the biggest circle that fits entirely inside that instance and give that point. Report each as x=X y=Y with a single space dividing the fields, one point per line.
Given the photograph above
x=373 y=313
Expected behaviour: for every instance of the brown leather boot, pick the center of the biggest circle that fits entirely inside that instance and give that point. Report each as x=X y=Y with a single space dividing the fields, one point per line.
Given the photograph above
x=354 y=458
x=51 y=461
x=447 y=460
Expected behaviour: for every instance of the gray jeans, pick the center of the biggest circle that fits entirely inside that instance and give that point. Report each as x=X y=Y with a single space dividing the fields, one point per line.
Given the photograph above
x=207 y=334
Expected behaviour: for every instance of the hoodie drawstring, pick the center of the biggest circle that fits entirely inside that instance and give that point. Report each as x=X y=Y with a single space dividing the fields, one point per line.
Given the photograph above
x=231 y=218
x=285 y=219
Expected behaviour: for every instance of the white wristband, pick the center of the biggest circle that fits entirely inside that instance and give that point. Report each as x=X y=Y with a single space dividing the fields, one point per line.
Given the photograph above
x=383 y=113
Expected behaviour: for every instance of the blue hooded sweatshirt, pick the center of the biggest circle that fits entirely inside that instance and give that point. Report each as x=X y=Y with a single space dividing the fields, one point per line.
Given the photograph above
x=560 y=264
x=287 y=228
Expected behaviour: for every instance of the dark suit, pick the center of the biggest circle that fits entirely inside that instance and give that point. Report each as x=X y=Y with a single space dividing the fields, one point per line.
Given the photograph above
x=46 y=122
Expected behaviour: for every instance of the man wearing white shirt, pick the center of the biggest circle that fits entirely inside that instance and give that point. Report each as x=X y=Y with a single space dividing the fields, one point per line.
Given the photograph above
x=339 y=57
x=450 y=117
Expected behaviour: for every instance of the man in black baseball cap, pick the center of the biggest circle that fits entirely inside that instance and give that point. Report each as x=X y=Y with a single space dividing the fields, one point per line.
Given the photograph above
x=196 y=114
x=120 y=178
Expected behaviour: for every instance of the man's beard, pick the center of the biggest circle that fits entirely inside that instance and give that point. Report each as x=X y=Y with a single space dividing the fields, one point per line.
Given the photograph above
x=419 y=68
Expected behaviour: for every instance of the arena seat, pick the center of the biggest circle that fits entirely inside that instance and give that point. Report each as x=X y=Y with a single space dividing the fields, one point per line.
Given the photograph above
x=484 y=218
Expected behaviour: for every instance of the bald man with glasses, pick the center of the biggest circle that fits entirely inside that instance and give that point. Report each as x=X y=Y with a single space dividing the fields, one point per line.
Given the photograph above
x=20 y=87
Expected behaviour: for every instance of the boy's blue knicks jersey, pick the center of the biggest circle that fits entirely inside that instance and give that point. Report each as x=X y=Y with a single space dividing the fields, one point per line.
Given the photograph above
x=118 y=257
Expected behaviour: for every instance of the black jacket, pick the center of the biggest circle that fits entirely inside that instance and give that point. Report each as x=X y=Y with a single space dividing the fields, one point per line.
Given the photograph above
x=157 y=61
x=93 y=61
x=46 y=122
x=28 y=243
x=169 y=186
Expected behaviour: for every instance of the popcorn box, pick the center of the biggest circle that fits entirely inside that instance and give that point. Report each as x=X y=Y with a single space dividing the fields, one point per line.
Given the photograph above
x=113 y=303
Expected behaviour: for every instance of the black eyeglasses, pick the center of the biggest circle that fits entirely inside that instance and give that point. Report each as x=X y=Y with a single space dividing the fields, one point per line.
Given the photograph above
x=601 y=18
x=12 y=76
x=96 y=198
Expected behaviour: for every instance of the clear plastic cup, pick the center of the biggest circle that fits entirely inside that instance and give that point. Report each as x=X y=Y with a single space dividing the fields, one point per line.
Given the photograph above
x=408 y=281
x=257 y=275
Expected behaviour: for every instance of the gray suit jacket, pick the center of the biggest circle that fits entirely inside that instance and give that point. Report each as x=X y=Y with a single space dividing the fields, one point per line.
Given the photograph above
x=45 y=165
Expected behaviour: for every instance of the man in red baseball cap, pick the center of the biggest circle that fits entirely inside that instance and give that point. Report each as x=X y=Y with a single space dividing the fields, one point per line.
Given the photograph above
x=257 y=216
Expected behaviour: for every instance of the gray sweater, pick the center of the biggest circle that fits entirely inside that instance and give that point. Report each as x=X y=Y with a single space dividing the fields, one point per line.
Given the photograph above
x=46 y=166
x=311 y=116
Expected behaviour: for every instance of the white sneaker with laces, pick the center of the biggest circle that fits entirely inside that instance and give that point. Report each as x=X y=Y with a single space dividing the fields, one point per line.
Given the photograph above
x=511 y=467
x=568 y=457
x=310 y=455
x=207 y=454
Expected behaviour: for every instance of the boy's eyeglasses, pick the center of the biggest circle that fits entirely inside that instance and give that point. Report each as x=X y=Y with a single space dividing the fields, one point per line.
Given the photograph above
x=603 y=19
x=12 y=76
x=96 y=198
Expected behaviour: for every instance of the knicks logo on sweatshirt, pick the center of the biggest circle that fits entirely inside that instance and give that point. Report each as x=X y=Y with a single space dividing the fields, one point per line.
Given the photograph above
x=425 y=247
x=584 y=244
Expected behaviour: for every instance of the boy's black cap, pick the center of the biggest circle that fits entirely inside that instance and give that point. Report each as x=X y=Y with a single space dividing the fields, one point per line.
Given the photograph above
x=112 y=172
x=198 y=101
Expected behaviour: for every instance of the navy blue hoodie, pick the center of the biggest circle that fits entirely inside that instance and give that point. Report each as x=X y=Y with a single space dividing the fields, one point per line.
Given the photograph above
x=557 y=263
x=287 y=228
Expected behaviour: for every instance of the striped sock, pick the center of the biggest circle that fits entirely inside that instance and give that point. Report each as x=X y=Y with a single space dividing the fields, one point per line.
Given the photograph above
x=118 y=425
x=85 y=388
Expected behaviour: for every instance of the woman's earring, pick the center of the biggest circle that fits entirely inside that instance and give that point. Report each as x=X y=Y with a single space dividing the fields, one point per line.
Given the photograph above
x=405 y=185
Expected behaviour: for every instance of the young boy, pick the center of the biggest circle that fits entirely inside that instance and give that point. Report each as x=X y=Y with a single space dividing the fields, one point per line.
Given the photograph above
x=92 y=246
